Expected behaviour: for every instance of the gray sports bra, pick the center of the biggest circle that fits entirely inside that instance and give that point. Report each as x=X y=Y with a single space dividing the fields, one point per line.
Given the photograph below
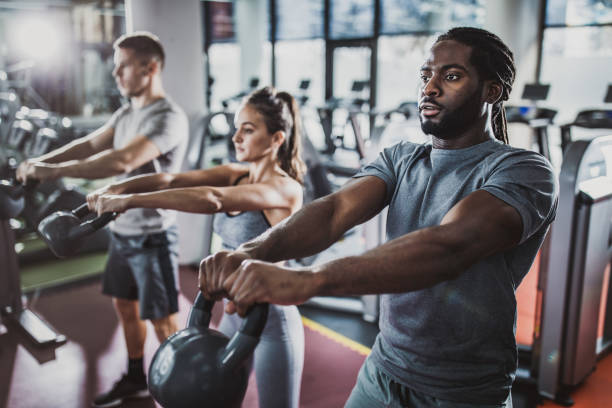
x=239 y=228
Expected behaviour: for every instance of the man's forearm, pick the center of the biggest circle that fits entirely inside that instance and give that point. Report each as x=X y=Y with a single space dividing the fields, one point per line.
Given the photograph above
x=414 y=261
x=75 y=150
x=101 y=165
x=411 y=262
x=305 y=233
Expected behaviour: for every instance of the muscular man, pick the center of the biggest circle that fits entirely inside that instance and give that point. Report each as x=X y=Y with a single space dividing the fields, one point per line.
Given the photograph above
x=467 y=215
x=147 y=135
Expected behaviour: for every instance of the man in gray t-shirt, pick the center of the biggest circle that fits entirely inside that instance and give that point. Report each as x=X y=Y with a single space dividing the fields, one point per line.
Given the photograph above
x=463 y=332
x=147 y=135
x=165 y=125
x=467 y=215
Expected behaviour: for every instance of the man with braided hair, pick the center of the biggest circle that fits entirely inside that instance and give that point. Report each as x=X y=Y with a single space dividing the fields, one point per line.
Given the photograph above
x=493 y=61
x=466 y=216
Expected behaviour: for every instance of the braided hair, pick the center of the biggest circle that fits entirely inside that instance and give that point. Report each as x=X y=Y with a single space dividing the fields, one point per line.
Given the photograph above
x=493 y=61
x=280 y=112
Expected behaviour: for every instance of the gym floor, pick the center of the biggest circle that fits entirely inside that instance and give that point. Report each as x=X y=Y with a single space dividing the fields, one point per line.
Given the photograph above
x=69 y=375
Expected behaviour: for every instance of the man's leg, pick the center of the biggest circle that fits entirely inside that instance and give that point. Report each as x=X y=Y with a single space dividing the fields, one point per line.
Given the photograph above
x=372 y=389
x=134 y=329
x=375 y=389
x=134 y=383
x=156 y=271
x=118 y=282
x=165 y=326
x=142 y=276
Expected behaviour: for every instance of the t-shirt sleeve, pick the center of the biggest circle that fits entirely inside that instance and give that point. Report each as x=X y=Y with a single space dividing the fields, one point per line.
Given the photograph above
x=527 y=182
x=166 y=128
x=383 y=168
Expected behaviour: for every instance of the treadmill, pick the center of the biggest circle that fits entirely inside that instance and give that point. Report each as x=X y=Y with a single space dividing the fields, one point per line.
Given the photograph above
x=588 y=119
x=573 y=326
x=537 y=118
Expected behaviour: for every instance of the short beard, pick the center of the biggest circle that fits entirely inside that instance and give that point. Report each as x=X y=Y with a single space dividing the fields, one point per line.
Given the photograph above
x=456 y=121
x=135 y=93
x=131 y=93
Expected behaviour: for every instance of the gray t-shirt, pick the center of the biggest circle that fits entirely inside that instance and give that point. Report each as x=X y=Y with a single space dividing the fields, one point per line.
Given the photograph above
x=165 y=124
x=456 y=340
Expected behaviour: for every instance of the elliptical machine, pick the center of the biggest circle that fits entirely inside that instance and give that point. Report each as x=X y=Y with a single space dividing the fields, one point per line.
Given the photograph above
x=28 y=132
x=11 y=298
x=214 y=145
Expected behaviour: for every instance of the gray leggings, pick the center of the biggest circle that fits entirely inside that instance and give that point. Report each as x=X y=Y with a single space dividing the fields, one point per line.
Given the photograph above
x=279 y=356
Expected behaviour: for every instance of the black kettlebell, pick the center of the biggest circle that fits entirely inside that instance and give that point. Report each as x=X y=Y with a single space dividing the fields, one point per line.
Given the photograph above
x=12 y=199
x=63 y=231
x=12 y=193
x=201 y=367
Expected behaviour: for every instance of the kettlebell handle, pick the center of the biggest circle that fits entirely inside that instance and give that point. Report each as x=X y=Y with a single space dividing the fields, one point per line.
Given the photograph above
x=98 y=222
x=11 y=189
x=17 y=189
x=90 y=226
x=201 y=312
x=253 y=324
x=81 y=211
x=241 y=345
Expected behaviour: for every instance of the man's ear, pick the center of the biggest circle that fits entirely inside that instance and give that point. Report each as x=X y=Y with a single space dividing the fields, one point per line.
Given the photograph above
x=152 y=66
x=493 y=91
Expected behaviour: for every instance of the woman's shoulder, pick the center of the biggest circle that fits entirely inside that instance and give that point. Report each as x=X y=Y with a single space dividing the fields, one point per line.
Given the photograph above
x=236 y=172
x=287 y=185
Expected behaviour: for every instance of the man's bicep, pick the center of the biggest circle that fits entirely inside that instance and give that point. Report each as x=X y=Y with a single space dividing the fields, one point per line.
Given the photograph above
x=529 y=184
x=166 y=129
x=484 y=223
x=139 y=151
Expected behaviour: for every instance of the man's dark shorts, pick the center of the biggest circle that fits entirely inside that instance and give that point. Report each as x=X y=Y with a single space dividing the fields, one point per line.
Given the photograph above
x=144 y=268
x=375 y=389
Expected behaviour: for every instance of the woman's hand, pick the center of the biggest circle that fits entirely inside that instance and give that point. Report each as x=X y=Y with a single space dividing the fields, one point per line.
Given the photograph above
x=92 y=198
x=33 y=170
x=112 y=203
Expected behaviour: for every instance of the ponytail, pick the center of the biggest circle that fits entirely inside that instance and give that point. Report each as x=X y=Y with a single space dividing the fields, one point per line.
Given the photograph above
x=290 y=153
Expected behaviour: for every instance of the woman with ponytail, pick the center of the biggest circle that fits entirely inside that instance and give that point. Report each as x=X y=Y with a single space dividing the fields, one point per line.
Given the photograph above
x=248 y=198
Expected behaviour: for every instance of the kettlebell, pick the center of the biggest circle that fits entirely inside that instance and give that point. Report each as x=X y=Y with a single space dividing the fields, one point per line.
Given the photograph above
x=12 y=193
x=12 y=199
x=201 y=367
x=63 y=231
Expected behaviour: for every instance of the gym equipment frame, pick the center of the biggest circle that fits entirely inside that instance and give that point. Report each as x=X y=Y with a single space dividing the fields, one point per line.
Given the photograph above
x=575 y=259
x=11 y=305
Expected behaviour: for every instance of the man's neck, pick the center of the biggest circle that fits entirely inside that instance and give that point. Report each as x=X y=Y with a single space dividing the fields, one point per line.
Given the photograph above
x=148 y=96
x=461 y=142
x=480 y=132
